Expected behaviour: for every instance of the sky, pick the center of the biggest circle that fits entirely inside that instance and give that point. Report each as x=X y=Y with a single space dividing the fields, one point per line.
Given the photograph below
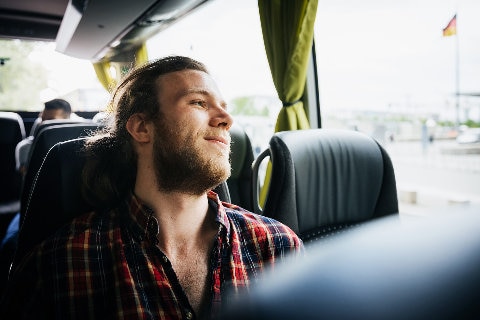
x=392 y=53
x=373 y=54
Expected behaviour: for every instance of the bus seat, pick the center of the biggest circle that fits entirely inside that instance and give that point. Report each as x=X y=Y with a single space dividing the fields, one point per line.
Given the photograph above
x=239 y=183
x=428 y=268
x=46 y=138
x=12 y=131
x=22 y=151
x=56 y=196
x=38 y=126
x=34 y=126
x=326 y=180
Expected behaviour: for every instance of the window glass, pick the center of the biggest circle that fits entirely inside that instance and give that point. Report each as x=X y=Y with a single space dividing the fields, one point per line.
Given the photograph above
x=33 y=72
x=386 y=69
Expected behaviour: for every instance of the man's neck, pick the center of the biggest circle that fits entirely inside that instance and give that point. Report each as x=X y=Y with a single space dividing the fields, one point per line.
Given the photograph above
x=186 y=236
x=183 y=218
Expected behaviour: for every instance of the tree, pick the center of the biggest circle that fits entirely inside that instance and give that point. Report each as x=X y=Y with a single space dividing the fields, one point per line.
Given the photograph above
x=21 y=79
x=252 y=106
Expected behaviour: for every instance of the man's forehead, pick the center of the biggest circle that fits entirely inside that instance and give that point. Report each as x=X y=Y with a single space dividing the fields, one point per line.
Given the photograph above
x=186 y=82
x=187 y=75
x=50 y=114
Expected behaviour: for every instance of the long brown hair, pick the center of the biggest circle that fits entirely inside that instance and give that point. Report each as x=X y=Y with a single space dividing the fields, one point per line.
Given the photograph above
x=111 y=166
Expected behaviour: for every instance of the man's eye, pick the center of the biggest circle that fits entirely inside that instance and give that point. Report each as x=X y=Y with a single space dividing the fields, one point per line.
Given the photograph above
x=200 y=103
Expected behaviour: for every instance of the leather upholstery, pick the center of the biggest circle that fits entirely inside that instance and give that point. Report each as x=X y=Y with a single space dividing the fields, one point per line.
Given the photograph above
x=23 y=149
x=12 y=131
x=324 y=180
x=39 y=126
x=427 y=268
x=239 y=183
x=46 y=138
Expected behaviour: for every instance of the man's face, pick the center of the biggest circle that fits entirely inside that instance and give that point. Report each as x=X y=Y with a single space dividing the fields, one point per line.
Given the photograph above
x=53 y=114
x=192 y=142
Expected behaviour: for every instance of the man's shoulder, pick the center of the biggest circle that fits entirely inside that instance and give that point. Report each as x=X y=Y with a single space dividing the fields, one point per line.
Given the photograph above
x=246 y=222
x=72 y=240
x=238 y=213
x=235 y=212
x=88 y=227
x=259 y=237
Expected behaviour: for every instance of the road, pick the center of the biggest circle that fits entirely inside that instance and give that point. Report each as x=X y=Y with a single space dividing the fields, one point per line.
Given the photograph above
x=441 y=176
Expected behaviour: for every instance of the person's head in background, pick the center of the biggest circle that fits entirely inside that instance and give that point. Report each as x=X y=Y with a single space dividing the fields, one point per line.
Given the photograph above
x=56 y=109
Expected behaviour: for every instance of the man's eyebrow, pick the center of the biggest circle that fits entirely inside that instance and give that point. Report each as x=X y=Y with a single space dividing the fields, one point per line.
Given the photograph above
x=202 y=92
x=193 y=91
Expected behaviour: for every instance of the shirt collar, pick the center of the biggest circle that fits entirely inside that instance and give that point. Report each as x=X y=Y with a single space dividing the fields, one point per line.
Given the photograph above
x=221 y=214
x=147 y=225
x=144 y=220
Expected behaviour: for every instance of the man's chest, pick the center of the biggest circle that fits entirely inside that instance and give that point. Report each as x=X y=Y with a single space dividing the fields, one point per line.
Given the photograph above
x=192 y=272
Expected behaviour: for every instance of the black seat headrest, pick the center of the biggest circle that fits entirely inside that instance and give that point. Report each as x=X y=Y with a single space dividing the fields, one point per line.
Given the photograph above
x=12 y=131
x=46 y=139
x=239 y=183
x=39 y=126
x=327 y=177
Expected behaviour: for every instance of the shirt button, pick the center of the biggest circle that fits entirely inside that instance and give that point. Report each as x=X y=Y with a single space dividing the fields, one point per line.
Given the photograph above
x=189 y=315
x=165 y=259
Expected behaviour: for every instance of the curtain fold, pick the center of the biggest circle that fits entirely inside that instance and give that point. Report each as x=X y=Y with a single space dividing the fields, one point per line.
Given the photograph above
x=287 y=27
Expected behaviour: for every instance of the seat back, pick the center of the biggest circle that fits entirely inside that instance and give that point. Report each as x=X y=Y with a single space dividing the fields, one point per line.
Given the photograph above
x=12 y=131
x=23 y=150
x=56 y=198
x=240 y=181
x=40 y=125
x=426 y=268
x=324 y=180
x=46 y=138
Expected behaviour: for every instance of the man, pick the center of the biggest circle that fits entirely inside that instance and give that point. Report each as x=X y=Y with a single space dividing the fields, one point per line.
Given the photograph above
x=56 y=109
x=160 y=245
x=53 y=110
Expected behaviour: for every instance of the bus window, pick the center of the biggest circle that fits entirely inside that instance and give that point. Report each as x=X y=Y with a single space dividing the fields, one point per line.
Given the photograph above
x=385 y=68
x=46 y=74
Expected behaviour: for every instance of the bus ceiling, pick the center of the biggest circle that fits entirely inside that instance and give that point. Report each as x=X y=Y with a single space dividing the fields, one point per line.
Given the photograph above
x=91 y=30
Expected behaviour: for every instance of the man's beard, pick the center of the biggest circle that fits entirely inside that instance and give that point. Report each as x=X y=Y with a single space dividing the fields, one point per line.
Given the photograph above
x=180 y=165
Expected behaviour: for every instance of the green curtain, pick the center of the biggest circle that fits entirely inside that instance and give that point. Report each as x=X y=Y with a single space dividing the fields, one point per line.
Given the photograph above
x=287 y=27
x=122 y=65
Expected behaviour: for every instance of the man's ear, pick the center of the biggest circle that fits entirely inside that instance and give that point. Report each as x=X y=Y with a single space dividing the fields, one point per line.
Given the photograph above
x=140 y=129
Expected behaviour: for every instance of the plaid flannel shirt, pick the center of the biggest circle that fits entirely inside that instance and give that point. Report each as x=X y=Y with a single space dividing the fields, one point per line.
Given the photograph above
x=107 y=266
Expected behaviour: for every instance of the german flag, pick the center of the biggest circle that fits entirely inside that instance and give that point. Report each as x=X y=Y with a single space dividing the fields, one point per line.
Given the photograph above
x=451 y=28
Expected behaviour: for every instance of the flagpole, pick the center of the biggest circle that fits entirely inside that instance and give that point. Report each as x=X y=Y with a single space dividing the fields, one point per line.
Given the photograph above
x=457 y=83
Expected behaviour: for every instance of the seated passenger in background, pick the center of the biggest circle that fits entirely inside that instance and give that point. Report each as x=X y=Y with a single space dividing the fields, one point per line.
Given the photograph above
x=56 y=109
x=160 y=244
x=53 y=109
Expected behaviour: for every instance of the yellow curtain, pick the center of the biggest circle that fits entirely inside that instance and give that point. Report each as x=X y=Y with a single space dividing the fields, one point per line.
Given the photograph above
x=141 y=55
x=102 y=69
x=287 y=27
x=128 y=59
